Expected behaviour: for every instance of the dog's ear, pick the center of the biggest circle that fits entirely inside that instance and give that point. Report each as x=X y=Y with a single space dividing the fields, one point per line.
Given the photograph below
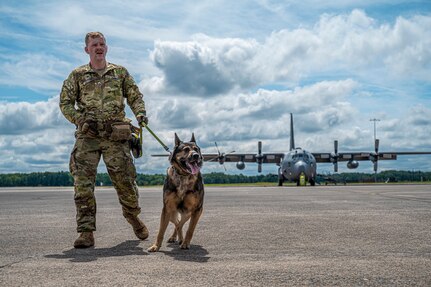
x=177 y=140
x=193 y=138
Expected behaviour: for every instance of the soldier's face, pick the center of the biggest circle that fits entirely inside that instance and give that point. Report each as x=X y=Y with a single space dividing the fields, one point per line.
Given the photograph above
x=97 y=49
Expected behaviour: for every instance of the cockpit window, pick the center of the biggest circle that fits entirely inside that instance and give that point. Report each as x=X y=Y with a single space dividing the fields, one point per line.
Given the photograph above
x=301 y=156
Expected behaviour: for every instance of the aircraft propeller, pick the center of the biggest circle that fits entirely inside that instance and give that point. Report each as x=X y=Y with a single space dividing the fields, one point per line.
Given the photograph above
x=221 y=156
x=374 y=157
x=259 y=157
x=334 y=156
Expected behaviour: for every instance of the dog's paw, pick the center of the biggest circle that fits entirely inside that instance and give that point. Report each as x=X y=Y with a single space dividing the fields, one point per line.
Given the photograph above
x=153 y=248
x=185 y=246
x=172 y=240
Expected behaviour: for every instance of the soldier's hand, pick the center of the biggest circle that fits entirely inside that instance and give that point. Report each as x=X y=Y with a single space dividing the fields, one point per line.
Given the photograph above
x=142 y=119
x=88 y=127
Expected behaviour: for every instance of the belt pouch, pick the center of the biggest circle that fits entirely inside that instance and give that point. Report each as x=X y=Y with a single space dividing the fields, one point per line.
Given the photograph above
x=120 y=132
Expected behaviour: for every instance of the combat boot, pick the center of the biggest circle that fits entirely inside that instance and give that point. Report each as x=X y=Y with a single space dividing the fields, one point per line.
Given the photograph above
x=85 y=240
x=139 y=227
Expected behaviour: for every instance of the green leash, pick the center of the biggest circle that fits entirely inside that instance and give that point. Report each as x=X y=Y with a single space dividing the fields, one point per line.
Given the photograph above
x=154 y=135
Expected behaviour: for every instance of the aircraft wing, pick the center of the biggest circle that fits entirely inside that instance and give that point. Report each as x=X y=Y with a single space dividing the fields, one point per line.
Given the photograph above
x=245 y=157
x=236 y=157
x=358 y=156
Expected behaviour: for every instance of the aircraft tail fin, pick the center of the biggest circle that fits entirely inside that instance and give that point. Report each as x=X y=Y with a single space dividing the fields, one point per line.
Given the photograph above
x=292 y=139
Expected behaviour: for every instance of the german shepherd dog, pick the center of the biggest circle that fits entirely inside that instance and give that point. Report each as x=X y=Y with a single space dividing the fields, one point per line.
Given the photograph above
x=183 y=193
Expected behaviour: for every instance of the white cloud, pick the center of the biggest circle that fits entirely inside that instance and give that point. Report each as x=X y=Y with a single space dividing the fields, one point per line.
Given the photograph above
x=24 y=117
x=205 y=66
x=35 y=136
x=351 y=44
x=260 y=115
x=34 y=71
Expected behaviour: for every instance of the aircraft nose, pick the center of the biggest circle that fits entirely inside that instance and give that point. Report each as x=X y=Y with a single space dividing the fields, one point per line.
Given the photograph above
x=300 y=167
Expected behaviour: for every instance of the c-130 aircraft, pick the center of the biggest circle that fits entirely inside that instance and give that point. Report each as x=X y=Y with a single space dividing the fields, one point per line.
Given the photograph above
x=299 y=165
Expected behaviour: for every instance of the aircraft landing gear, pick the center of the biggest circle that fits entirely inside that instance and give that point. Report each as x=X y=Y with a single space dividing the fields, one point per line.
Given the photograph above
x=280 y=177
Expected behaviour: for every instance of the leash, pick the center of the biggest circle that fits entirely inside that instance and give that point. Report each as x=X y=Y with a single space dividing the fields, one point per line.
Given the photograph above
x=140 y=135
x=154 y=135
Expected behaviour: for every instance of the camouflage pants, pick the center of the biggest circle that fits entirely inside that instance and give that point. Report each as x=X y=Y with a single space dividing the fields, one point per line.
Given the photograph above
x=83 y=164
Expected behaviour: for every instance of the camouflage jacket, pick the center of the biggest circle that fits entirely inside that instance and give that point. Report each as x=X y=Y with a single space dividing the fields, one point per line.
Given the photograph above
x=87 y=95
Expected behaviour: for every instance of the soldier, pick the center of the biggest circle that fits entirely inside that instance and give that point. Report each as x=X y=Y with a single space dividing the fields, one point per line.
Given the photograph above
x=93 y=98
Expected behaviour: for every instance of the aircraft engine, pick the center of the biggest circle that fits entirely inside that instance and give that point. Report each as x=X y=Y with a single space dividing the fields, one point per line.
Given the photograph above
x=352 y=164
x=240 y=165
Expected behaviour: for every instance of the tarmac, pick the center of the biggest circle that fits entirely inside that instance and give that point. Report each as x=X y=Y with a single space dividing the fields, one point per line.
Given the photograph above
x=376 y=235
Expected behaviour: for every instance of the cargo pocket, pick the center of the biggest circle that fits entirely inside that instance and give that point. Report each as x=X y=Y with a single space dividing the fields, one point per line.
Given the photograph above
x=72 y=161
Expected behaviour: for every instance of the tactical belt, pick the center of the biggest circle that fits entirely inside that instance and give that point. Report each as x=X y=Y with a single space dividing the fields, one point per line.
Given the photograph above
x=98 y=127
x=105 y=129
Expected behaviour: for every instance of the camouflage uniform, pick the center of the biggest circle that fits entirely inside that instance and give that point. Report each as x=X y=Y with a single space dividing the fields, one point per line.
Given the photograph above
x=89 y=96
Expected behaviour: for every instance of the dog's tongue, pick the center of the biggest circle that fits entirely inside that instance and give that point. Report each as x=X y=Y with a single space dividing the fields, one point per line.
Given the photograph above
x=194 y=167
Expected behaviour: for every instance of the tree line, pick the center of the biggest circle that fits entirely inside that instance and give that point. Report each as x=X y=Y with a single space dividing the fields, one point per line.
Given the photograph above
x=384 y=176
x=63 y=178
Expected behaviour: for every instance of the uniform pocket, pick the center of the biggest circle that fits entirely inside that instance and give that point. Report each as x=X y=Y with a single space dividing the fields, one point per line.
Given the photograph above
x=72 y=161
x=120 y=132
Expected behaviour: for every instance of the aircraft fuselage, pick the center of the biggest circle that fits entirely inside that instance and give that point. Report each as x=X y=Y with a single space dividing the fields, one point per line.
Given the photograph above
x=295 y=163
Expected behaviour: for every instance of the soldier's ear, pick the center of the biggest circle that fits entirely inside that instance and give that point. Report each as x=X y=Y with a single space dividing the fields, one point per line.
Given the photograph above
x=193 y=138
x=177 y=140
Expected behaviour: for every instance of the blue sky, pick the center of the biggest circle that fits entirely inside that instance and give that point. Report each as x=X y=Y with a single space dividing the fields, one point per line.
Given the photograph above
x=229 y=71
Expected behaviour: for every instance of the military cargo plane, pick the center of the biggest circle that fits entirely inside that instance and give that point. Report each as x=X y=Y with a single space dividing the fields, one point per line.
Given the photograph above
x=299 y=165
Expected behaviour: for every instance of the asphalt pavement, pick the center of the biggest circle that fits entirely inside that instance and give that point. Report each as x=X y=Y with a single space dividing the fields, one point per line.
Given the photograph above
x=377 y=235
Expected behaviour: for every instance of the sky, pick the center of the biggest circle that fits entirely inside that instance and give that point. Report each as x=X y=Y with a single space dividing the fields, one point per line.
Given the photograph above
x=230 y=72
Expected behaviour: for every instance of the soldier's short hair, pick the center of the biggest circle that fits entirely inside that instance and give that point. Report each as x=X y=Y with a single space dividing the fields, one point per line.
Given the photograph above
x=92 y=35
